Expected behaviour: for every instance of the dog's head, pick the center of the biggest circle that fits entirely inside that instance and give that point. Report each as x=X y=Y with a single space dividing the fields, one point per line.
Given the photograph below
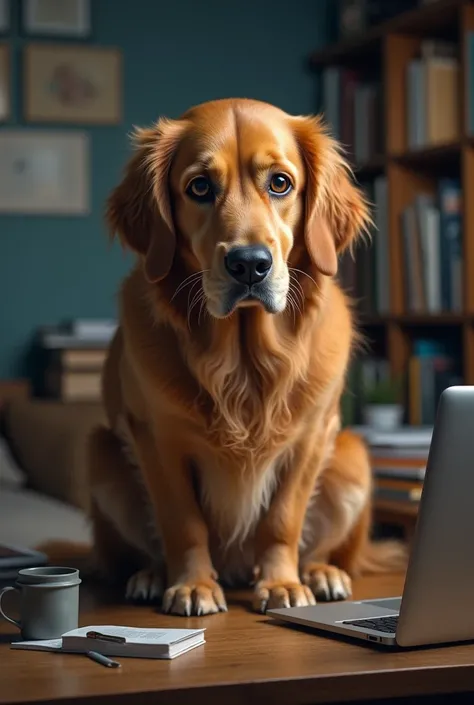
x=239 y=191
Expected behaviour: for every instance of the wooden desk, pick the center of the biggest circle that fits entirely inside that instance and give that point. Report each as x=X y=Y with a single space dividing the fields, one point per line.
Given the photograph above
x=246 y=660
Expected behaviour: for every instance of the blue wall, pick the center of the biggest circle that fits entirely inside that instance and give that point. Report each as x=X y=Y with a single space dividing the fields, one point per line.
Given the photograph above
x=54 y=268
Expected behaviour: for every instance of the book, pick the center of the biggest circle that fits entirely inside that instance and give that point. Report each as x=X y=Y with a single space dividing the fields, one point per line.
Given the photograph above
x=442 y=100
x=332 y=99
x=470 y=81
x=140 y=643
x=381 y=244
x=404 y=437
x=433 y=115
x=428 y=230
x=398 y=490
x=73 y=386
x=450 y=204
x=402 y=468
x=415 y=299
x=416 y=118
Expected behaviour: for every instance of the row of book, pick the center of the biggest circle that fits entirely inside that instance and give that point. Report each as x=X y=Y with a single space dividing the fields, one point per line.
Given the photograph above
x=433 y=366
x=353 y=105
x=353 y=109
x=431 y=369
x=433 y=95
x=366 y=275
x=72 y=360
x=431 y=231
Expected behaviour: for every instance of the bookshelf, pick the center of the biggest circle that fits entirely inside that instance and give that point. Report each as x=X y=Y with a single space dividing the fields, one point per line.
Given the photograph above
x=385 y=52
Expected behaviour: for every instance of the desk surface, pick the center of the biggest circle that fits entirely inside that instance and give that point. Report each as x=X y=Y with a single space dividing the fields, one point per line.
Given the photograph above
x=247 y=659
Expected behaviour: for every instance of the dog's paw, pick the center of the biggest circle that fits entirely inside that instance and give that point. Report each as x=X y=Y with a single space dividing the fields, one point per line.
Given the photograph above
x=197 y=597
x=145 y=586
x=327 y=582
x=273 y=595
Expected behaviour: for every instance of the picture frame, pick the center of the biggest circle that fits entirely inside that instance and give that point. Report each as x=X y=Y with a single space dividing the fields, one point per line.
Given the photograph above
x=72 y=84
x=57 y=18
x=5 y=99
x=4 y=16
x=44 y=172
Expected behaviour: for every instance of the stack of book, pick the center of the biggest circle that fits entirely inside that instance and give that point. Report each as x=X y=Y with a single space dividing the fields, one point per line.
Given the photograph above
x=366 y=276
x=73 y=359
x=433 y=95
x=353 y=109
x=398 y=463
x=431 y=231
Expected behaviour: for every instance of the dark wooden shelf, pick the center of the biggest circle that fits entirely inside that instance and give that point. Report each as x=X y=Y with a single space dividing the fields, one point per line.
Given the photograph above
x=437 y=18
x=426 y=158
x=430 y=156
x=413 y=319
x=436 y=319
x=372 y=168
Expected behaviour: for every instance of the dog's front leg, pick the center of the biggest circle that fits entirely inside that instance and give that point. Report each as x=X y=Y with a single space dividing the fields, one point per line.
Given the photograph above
x=278 y=534
x=191 y=578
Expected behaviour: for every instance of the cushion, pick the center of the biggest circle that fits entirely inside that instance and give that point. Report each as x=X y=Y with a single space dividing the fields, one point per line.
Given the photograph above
x=49 y=439
x=10 y=474
x=29 y=519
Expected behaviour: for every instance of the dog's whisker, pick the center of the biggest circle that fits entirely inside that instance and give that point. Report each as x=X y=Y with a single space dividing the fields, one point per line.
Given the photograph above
x=297 y=281
x=196 y=299
x=192 y=289
x=293 y=293
x=299 y=296
x=187 y=282
x=292 y=307
x=195 y=303
x=296 y=292
x=300 y=271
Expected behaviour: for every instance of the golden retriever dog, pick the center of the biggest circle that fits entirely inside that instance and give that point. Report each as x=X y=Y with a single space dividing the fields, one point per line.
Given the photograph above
x=223 y=461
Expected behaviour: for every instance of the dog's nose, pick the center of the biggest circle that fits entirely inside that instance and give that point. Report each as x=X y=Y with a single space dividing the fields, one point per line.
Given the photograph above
x=249 y=265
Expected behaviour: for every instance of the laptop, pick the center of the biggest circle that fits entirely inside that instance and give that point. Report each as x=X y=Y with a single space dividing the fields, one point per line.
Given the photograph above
x=437 y=606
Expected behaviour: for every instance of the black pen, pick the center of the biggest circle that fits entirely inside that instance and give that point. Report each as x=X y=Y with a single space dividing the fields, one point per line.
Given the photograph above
x=106 y=637
x=103 y=660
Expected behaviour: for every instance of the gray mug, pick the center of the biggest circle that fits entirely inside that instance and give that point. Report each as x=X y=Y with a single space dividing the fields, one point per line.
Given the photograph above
x=49 y=602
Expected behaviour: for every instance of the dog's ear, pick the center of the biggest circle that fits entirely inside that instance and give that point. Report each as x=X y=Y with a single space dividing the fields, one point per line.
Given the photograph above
x=335 y=209
x=139 y=209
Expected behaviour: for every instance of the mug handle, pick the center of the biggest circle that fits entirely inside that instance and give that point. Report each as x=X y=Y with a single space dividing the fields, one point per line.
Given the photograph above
x=9 y=619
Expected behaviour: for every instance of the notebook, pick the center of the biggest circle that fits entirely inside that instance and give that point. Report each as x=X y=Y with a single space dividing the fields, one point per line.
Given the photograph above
x=140 y=643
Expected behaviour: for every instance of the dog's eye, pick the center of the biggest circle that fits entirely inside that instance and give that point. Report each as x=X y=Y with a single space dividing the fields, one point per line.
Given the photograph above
x=200 y=189
x=279 y=185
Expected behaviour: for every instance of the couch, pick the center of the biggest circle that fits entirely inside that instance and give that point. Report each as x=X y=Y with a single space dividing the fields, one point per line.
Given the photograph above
x=42 y=471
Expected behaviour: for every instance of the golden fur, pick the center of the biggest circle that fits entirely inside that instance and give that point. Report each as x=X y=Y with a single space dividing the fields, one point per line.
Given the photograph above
x=223 y=455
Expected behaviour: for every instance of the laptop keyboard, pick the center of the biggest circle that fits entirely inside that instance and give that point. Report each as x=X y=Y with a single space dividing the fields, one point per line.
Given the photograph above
x=388 y=625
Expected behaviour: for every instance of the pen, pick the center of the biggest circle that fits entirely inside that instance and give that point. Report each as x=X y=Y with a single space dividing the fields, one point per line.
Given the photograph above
x=106 y=637
x=103 y=660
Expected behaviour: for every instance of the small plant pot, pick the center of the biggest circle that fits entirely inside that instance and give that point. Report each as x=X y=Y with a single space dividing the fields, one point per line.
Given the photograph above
x=383 y=417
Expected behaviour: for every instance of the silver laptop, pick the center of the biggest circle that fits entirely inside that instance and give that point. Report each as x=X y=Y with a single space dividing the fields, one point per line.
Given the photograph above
x=438 y=596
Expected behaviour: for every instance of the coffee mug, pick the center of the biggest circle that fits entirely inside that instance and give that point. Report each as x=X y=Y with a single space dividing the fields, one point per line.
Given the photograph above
x=49 y=602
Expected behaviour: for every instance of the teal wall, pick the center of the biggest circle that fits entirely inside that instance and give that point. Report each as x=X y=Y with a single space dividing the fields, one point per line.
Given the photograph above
x=175 y=54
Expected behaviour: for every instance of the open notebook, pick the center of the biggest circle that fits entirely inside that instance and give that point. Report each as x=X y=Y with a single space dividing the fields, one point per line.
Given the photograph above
x=139 y=643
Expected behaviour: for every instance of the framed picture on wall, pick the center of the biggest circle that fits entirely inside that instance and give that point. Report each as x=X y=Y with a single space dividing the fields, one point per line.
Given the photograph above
x=59 y=18
x=4 y=16
x=4 y=83
x=44 y=173
x=74 y=84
